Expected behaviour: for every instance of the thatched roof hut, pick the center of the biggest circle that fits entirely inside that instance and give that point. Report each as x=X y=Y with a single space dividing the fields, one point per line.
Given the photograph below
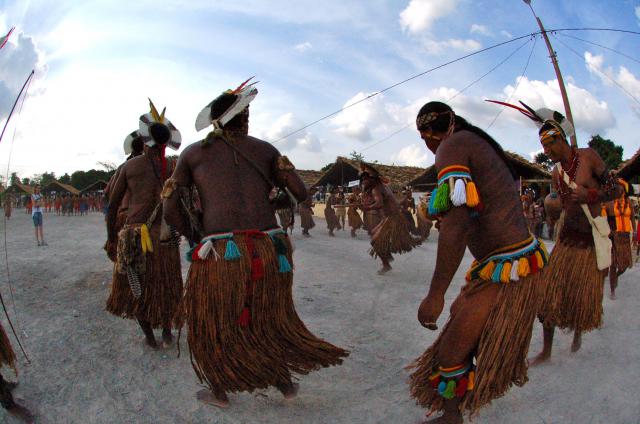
x=97 y=186
x=345 y=170
x=19 y=188
x=630 y=168
x=309 y=176
x=59 y=187
x=524 y=169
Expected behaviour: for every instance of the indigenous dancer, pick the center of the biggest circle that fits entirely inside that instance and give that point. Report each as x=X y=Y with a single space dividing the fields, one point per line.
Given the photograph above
x=8 y=205
x=285 y=216
x=148 y=284
x=330 y=213
x=306 y=212
x=425 y=222
x=243 y=330
x=392 y=234
x=407 y=205
x=8 y=357
x=370 y=217
x=622 y=223
x=492 y=318
x=575 y=282
x=341 y=208
x=353 y=200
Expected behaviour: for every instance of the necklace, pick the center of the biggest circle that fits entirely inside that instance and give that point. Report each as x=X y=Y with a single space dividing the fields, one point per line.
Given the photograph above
x=571 y=171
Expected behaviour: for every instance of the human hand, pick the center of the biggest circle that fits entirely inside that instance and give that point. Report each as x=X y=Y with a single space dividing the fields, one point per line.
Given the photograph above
x=579 y=194
x=429 y=311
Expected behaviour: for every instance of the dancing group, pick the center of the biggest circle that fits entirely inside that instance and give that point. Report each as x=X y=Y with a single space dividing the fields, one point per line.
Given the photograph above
x=243 y=329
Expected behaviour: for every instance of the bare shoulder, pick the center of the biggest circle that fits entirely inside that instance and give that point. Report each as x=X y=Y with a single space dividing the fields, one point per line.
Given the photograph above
x=263 y=147
x=456 y=149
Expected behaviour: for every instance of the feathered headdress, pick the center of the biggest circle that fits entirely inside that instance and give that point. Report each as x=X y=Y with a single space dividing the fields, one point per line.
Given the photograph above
x=154 y=118
x=544 y=116
x=128 y=142
x=226 y=106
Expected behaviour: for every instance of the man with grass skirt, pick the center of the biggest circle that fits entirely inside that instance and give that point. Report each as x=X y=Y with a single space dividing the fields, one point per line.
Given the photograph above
x=148 y=283
x=333 y=222
x=482 y=350
x=306 y=212
x=622 y=223
x=391 y=234
x=243 y=330
x=353 y=202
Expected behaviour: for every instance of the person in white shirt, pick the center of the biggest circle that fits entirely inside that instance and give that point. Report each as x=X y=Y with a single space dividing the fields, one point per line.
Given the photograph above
x=36 y=215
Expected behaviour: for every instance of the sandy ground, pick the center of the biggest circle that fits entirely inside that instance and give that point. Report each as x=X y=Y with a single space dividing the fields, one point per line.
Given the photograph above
x=90 y=367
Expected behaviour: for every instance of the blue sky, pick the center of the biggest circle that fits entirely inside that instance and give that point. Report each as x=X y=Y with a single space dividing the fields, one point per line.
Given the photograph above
x=97 y=62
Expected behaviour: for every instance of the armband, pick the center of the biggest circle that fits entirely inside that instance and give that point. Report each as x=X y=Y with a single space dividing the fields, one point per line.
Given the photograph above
x=455 y=188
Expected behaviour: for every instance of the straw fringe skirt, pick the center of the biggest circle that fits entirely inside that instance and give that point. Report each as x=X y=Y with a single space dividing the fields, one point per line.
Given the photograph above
x=392 y=236
x=275 y=342
x=332 y=219
x=622 y=251
x=370 y=220
x=306 y=219
x=7 y=356
x=575 y=288
x=161 y=286
x=501 y=354
x=355 y=221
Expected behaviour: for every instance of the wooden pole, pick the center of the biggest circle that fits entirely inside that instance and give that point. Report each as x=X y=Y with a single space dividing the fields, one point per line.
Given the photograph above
x=554 y=61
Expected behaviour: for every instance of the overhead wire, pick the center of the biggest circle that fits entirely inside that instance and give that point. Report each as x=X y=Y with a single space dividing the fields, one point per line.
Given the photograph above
x=601 y=46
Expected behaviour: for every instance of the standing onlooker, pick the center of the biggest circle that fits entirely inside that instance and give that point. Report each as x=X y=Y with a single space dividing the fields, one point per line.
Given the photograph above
x=36 y=215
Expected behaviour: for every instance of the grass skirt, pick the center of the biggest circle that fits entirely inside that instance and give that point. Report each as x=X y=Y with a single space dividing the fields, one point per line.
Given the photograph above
x=306 y=219
x=424 y=228
x=355 y=221
x=371 y=219
x=161 y=286
x=7 y=356
x=284 y=216
x=622 y=251
x=332 y=219
x=575 y=288
x=501 y=354
x=392 y=236
x=233 y=357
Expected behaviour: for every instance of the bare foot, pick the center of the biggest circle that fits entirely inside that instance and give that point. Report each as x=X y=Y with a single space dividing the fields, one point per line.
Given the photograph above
x=207 y=396
x=21 y=413
x=577 y=342
x=289 y=391
x=151 y=342
x=384 y=270
x=612 y=296
x=167 y=337
x=446 y=419
x=332 y=235
x=540 y=359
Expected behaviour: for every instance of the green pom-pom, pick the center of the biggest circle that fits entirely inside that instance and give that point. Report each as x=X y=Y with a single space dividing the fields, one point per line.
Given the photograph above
x=443 y=202
x=450 y=392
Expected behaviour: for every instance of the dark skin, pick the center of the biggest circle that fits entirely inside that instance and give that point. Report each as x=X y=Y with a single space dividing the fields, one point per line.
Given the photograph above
x=500 y=223
x=233 y=196
x=590 y=166
x=139 y=182
x=308 y=205
x=332 y=200
x=383 y=201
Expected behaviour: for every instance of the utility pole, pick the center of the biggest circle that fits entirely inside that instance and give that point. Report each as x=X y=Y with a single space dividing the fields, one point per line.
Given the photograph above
x=554 y=60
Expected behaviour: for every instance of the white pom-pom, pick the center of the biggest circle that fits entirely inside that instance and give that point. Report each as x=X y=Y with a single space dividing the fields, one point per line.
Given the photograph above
x=459 y=193
x=514 y=271
x=204 y=251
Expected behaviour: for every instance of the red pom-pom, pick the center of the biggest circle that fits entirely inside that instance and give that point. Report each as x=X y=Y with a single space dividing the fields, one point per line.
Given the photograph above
x=245 y=317
x=194 y=255
x=533 y=263
x=435 y=382
x=257 y=268
x=461 y=388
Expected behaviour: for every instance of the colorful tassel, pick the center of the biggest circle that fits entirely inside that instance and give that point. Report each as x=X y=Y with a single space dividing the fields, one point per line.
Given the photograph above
x=472 y=378
x=497 y=272
x=442 y=387
x=487 y=271
x=145 y=239
x=283 y=264
x=432 y=202
x=189 y=255
x=505 y=275
x=539 y=260
x=231 y=252
x=461 y=387
x=204 y=249
x=533 y=264
x=473 y=199
x=514 y=271
x=459 y=195
x=442 y=203
x=450 y=391
x=523 y=267
x=245 y=317
x=434 y=380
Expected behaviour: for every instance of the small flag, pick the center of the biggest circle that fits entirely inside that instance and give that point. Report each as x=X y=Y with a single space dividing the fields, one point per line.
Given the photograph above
x=4 y=39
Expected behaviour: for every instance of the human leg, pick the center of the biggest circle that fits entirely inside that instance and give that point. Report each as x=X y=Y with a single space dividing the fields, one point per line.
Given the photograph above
x=547 y=344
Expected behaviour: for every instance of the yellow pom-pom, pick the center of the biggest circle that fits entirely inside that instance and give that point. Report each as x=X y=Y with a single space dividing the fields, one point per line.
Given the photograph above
x=487 y=271
x=145 y=239
x=539 y=259
x=505 y=275
x=523 y=267
x=472 y=378
x=473 y=199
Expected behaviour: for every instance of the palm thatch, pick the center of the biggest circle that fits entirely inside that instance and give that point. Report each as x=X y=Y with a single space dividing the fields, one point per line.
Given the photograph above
x=20 y=188
x=97 y=186
x=345 y=170
x=309 y=176
x=630 y=168
x=59 y=187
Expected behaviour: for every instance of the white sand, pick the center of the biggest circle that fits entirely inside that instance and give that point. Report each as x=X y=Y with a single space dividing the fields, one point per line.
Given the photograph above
x=90 y=367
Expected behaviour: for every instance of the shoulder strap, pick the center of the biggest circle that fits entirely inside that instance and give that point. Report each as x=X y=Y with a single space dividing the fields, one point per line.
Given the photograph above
x=572 y=185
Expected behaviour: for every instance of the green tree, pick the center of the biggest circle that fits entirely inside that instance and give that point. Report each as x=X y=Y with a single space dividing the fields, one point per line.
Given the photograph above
x=26 y=181
x=65 y=179
x=543 y=160
x=14 y=179
x=610 y=153
x=359 y=157
x=44 y=178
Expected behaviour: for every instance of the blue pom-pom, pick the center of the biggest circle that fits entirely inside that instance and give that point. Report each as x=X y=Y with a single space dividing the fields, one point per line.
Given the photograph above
x=442 y=387
x=495 y=277
x=231 y=252
x=283 y=264
x=432 y=201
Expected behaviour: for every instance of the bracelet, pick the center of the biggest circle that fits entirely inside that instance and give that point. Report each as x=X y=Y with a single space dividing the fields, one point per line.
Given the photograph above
x=593 y=196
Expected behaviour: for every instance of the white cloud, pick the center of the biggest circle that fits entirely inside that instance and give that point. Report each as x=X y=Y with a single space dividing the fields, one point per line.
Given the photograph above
x=480 y=29
x=624 y=78
x=359 y=122
x=419 y=15
x=590 y=114
x=436 y=47
x=638 y=12
x=303 y=47
x=506 y=33
x=413 y=155
x=282 y=126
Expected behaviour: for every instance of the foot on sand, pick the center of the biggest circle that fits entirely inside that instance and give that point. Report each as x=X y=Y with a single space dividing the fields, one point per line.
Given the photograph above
x=445 y=419
x=151 y=343
x=541 y=358
x=207 y=396
x=289 y=391
x=21 y=413
x=577 y=342
x=384 y=270
x=167 y=337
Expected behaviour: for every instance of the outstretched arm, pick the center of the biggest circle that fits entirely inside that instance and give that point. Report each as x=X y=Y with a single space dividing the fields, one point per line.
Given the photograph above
x=286 y=176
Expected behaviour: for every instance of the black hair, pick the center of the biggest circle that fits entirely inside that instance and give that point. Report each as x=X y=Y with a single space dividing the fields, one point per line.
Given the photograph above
x=221 y=104
x=160 y=133
x=137 y=145
x=442 y=122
